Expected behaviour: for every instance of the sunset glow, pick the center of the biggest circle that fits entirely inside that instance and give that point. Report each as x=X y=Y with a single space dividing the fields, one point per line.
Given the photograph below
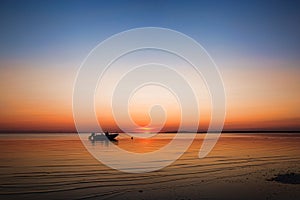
x=261 y=81
x=261 y=97
x=159 y=99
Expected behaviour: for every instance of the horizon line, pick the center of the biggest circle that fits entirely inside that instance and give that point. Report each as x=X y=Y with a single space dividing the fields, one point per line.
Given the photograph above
x=223 y=131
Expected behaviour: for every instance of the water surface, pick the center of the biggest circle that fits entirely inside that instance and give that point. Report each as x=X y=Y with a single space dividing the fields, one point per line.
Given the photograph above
x=57 y=166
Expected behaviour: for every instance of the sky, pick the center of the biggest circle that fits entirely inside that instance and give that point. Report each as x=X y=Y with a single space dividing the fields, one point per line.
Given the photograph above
x=255 y=44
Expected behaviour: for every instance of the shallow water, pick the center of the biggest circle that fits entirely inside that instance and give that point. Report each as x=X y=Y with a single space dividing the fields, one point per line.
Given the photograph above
x=58 y=166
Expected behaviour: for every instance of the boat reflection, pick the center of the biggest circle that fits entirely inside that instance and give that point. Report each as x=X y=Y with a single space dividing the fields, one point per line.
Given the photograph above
x=105 y=142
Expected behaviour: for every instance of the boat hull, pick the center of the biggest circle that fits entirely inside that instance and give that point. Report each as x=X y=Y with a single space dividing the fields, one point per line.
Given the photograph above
x=103 y=137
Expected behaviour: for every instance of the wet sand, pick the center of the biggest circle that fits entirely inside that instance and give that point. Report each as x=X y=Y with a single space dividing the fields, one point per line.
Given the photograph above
x=241 y=166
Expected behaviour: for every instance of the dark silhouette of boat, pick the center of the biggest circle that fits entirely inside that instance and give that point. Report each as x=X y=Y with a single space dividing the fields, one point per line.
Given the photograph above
x=101 y=136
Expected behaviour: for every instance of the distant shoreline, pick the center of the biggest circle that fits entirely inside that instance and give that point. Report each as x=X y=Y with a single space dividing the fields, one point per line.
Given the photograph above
x=169 y=132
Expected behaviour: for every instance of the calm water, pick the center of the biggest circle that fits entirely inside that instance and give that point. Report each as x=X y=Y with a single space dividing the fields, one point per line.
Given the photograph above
x=57 y=166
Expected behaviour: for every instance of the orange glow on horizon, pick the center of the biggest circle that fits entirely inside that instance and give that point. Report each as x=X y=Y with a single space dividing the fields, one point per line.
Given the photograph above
x=41 y=99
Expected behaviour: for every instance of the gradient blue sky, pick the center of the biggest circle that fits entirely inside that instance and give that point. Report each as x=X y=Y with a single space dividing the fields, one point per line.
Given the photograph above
x=71 y=28
x=256 y=45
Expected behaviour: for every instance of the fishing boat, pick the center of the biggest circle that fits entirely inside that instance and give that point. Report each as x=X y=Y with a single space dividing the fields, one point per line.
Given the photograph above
x=101 y=136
